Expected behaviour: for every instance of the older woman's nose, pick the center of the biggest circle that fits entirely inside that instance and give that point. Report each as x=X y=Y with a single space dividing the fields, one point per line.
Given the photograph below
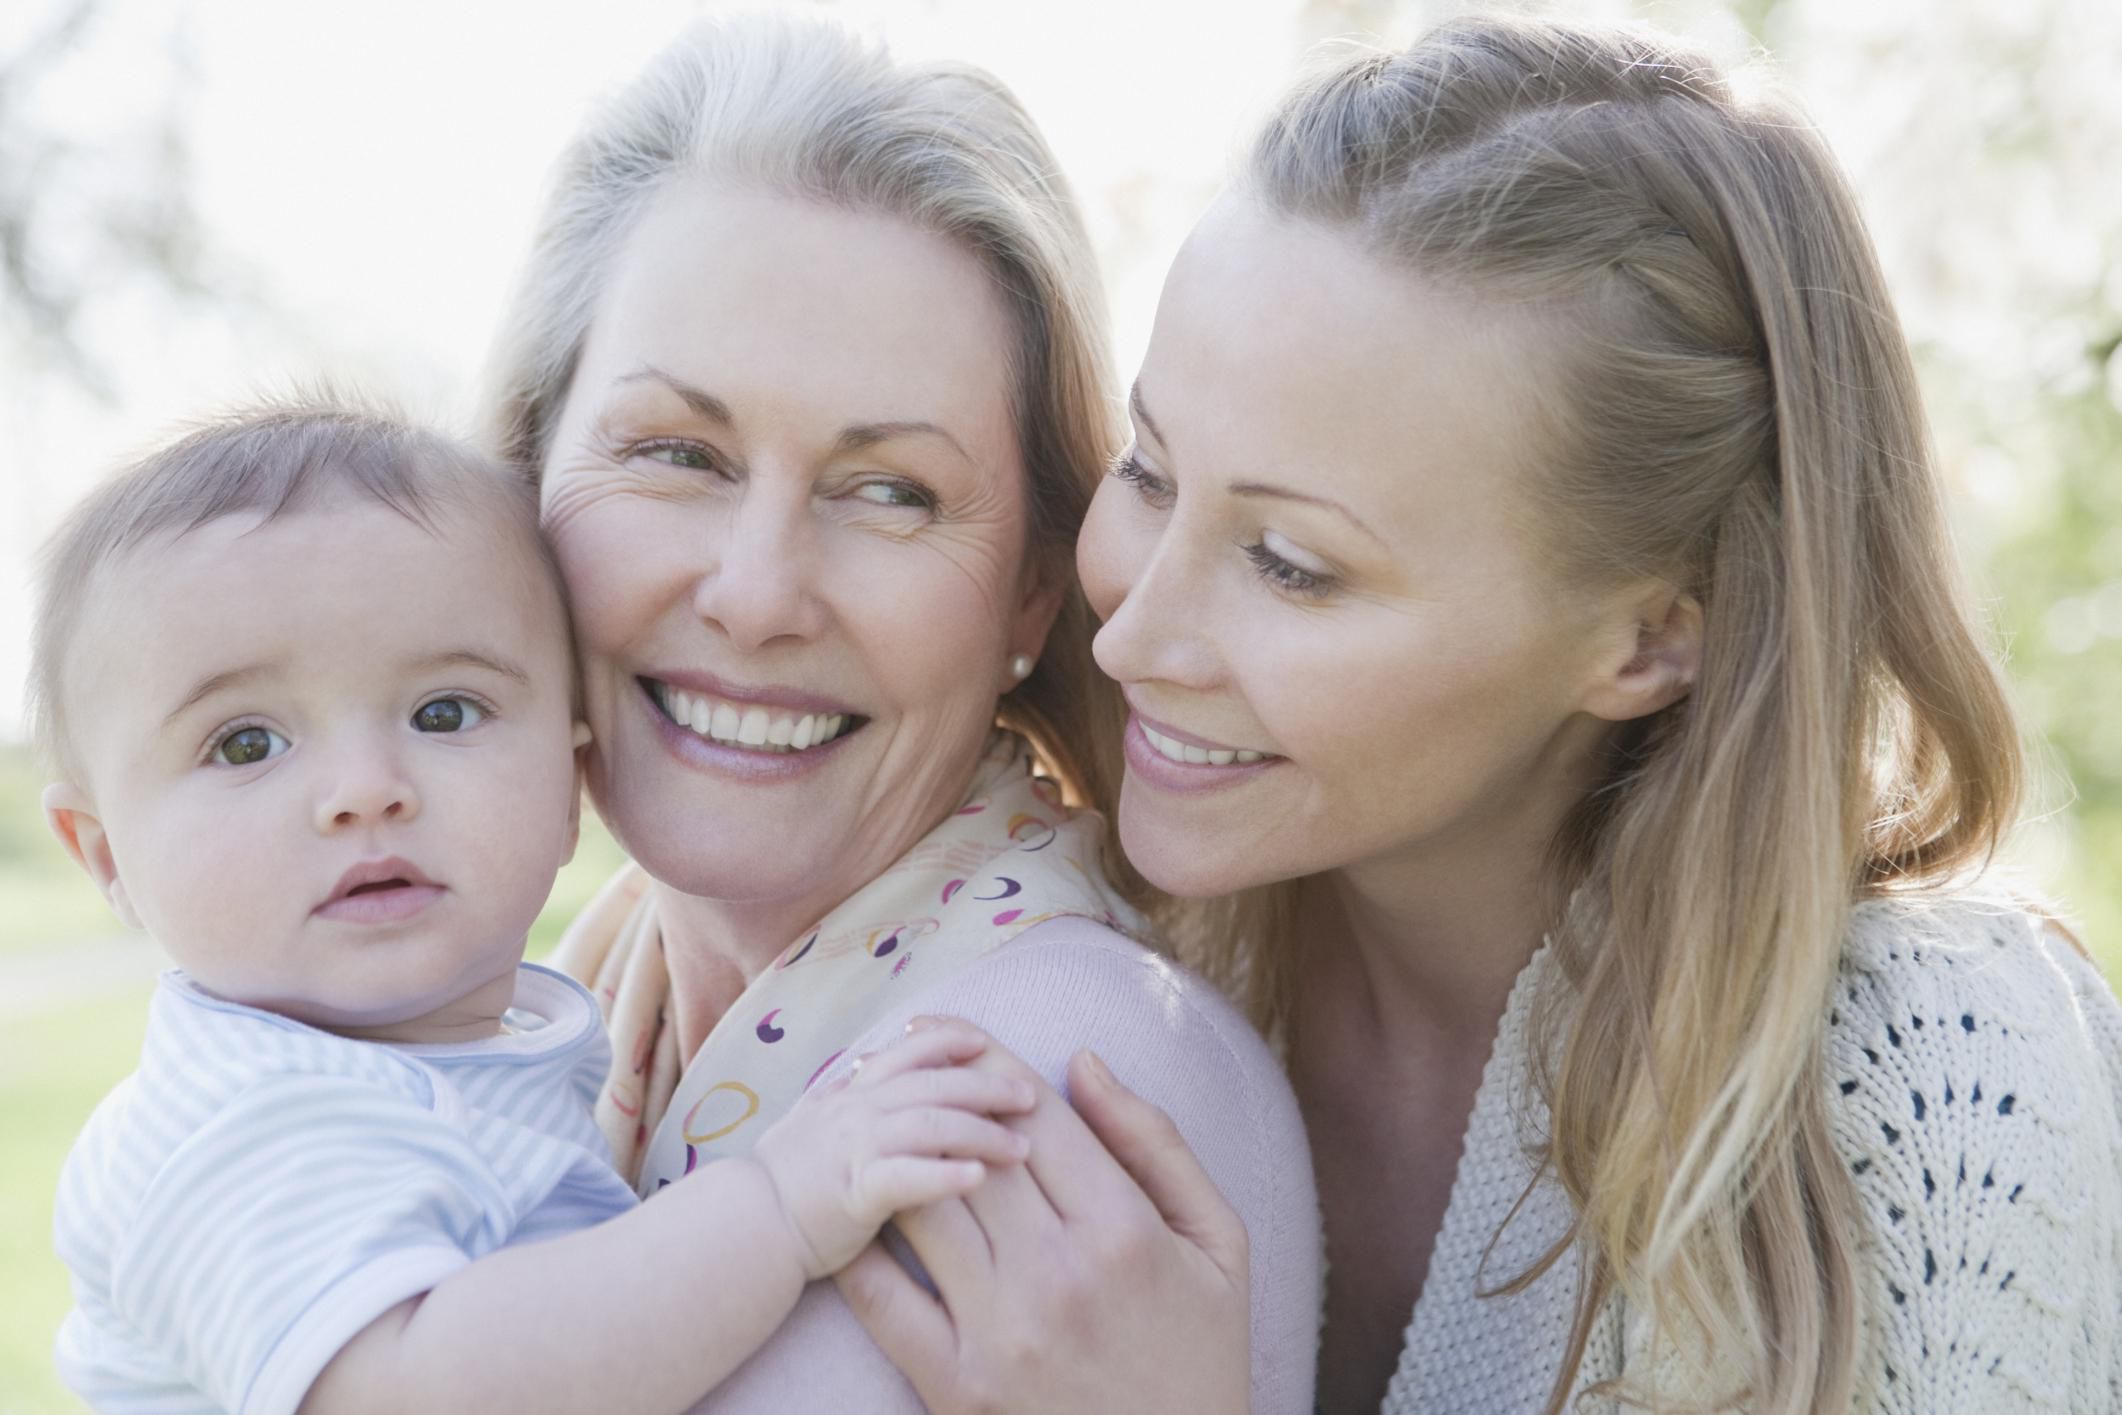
x=369 y=785
x=762 y=584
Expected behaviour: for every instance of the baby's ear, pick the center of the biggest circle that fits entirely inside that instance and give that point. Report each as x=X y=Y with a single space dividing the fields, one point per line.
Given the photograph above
x=71 y=815
x=574 y=805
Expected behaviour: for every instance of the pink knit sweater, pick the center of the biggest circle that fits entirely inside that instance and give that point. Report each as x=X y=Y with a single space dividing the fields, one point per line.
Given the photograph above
x=1174 y=1040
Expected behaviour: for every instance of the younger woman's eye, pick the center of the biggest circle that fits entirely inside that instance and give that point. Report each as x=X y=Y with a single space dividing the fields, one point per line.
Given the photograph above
x=454 y=714
x=1281 y=573
x=248 y=745
x=895 y=493
x=1153 y=489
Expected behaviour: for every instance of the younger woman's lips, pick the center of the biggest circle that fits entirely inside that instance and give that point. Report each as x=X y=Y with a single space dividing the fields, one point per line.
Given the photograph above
x=1184 y=778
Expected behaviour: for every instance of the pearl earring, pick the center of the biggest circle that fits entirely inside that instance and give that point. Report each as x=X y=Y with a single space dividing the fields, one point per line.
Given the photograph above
x=1020 y=666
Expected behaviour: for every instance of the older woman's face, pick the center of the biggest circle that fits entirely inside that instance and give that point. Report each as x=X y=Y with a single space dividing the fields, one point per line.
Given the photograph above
x=786 y=495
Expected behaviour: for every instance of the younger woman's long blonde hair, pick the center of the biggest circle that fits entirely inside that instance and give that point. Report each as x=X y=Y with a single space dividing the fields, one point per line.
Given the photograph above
x=1740 y=417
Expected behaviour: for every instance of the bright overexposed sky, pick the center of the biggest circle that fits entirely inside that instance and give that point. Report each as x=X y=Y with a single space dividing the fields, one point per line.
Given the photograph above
x=368 y=175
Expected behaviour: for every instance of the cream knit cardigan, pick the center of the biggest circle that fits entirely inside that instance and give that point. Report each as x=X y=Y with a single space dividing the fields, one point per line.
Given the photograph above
x=1975 y=1091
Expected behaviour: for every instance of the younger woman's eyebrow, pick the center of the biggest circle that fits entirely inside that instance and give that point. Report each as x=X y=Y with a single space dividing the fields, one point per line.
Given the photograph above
x=1284 y=493
x=1255 y=488
x=1141 y=411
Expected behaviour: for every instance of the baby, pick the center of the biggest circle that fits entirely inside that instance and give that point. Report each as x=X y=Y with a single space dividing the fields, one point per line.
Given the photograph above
x=306 y=679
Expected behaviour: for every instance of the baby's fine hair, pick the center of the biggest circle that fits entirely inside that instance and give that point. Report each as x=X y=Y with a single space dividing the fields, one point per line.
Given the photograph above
x=273 y=459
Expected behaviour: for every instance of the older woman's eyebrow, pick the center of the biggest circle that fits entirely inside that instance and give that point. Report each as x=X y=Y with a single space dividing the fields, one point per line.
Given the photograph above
x=706 y=404
x=857 y=436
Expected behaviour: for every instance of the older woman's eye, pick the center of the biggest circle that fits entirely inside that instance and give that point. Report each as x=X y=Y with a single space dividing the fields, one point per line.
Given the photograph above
x=452 y=714
x=247 y=745
x=689 y=456
x=895 y=493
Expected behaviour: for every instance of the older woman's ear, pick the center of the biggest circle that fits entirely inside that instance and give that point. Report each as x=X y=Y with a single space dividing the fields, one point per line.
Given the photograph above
x=1048 y=579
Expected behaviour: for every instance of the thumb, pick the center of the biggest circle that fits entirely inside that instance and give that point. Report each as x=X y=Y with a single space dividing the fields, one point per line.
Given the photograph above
x=1156 y=1156
x=909 y=1326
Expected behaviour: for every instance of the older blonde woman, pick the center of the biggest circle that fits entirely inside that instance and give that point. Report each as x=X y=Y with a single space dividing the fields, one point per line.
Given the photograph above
x=808 y=365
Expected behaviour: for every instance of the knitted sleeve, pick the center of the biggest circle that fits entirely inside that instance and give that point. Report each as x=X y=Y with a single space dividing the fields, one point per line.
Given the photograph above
x=1975 y=1065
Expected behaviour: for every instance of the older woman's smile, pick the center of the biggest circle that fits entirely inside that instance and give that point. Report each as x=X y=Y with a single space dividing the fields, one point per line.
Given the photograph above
x=771 y=720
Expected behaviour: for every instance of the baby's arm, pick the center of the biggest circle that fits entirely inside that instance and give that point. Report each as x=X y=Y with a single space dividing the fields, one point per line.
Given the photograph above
x=652 y=1309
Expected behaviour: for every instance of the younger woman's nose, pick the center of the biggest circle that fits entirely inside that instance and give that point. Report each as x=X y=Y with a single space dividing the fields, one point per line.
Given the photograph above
x=1162 y=629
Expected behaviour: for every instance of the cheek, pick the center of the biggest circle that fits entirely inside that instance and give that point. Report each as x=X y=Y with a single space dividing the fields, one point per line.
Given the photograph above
x=1438 y=701
x=613 y=560
x=929 y=630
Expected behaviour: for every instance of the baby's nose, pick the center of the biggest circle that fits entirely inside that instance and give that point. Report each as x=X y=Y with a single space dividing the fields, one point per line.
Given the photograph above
x=368 y=791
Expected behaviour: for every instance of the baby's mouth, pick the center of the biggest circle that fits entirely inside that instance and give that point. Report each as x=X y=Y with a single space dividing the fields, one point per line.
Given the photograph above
x=749 y=727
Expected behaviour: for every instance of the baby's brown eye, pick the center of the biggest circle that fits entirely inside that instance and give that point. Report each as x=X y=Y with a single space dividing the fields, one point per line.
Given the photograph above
x=248 y=745
x=446 y=715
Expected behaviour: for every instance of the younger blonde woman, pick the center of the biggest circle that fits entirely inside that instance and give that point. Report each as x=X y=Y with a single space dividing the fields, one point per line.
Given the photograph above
x=1529 y=583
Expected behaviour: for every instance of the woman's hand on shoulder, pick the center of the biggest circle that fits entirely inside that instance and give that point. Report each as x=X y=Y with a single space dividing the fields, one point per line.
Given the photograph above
x=1105 y=1274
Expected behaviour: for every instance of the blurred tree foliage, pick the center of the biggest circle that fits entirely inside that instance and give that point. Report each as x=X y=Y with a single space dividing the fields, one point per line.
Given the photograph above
x=85 y=203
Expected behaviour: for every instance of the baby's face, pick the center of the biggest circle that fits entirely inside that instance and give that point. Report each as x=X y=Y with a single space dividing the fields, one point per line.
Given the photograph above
x=332 y=757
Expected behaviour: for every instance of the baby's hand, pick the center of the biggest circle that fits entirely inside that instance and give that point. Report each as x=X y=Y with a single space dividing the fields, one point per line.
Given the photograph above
x=910 y=1126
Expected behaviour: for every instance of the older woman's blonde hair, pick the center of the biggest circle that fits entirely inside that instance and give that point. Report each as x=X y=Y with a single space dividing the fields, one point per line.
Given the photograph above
x=1735 y=412
x=800 y=105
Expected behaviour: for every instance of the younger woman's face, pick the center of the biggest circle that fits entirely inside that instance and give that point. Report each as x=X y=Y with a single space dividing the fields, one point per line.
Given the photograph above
x=1321 y=580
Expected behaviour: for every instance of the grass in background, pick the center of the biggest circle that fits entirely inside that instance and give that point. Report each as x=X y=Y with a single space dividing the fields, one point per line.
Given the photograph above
x=45 y=900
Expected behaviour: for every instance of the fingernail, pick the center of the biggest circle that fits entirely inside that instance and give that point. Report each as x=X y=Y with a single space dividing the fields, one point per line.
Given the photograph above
x=1098 y=1069
x=921 y=1024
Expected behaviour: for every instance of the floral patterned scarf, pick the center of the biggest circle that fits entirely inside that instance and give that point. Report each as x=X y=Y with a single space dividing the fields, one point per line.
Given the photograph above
x=1011 y=856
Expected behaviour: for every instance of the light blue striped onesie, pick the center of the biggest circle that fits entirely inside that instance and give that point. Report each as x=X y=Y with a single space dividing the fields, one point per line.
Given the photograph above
x=259 y=1191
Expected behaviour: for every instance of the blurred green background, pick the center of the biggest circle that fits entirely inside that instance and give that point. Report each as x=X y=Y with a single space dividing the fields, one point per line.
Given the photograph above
x=202 y=197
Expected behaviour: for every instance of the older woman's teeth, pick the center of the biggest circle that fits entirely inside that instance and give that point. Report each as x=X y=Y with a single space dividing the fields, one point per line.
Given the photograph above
x=1198 y=756
x=753 y=728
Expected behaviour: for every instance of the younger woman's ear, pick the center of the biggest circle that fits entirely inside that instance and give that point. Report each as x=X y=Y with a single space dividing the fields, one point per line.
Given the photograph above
x=71 y=815
x=1656 y=666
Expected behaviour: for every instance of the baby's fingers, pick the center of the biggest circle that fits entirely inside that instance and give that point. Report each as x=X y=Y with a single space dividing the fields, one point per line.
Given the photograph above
x=958 y=1087
x=942 y=1045
x=894 y=1183
x=941 y=1131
